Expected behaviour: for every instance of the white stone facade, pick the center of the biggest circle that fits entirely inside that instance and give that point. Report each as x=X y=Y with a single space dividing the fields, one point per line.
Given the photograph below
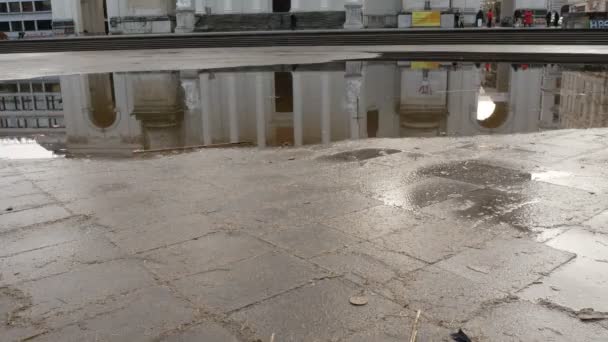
x=33 y=19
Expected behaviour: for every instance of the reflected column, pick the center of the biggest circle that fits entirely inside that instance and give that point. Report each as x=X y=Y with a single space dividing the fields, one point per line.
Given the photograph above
x=232 y=108
x=354 y=85
x=205 y=88
x=325 y=108
x=298 y=108
x=192 y=102
x=260 y=108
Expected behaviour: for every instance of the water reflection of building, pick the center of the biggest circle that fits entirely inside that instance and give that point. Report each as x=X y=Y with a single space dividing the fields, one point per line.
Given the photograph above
x=584 y=99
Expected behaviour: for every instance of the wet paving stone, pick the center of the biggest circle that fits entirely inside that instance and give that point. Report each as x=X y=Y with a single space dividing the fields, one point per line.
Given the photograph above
x=598 y=223
x=205 y=332
x=398 y=329
x=478 y=173
x=524 y=321
x=202 y=254
x=310 y=240
x=319 y=311
x=34 y=216
x=506 y=264
x=244 y=283
x=14 y=204
x=442 y=296
x=360 y=155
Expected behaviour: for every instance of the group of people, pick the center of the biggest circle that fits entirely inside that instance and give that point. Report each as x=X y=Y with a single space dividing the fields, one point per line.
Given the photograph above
x=553 y=19
x=523 y=18
x=489 y=18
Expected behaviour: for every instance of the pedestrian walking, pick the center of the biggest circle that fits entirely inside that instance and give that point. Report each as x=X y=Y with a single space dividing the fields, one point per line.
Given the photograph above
x=517 y=18
x=479 y=18
x=490 y=18
x=528 y=18
x=548 y=18
x=556 y=18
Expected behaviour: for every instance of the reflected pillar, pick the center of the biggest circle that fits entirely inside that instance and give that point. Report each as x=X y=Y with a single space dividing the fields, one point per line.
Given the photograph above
x=184 y=14
x=228 y=6
x=298 y=108
x=205 y=88
x=354 y=85
x=260 y=104
x=232 y=108
x=325 y=108
x=192 y=102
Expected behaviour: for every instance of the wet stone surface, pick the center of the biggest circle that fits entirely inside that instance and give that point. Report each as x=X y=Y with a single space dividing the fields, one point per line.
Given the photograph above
x=240 y=244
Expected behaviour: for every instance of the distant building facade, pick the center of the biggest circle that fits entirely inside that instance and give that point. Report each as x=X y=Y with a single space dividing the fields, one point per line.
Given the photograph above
x=26 y=18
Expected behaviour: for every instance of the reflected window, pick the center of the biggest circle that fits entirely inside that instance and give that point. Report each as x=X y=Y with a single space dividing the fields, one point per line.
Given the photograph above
x=52 y=87
x=16 y=26
x=42 y=6
x=27 y=6
x=5 y=26
x=45 y=25
x=29 y=25
x=373 y=123
x=14 y=7
x=281 y=6
x=283 y=90
x=3 y=7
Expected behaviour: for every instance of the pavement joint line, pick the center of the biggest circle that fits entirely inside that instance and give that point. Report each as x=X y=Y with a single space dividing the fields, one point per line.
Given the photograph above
x=30 y=208
x=38 y=225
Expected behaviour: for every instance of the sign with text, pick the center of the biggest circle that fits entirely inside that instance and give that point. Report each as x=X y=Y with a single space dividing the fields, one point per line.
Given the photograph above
x=598 y=24
x=426 y=19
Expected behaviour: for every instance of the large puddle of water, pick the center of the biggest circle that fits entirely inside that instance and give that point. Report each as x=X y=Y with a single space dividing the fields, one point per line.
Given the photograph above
x=131 y=113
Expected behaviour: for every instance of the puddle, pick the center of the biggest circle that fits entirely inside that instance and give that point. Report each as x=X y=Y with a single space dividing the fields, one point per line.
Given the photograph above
x=115 y=114
x=360 y=155
x=26 y=148
x=549 y=175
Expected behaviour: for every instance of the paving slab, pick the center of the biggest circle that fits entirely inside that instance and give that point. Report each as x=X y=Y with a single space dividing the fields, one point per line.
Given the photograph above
x=247 y=282
x=580 y=284
x=375 y=222
x=311 y=240
x=8 y=205
x=506 y=264
x=56 y=259
x=33 y=216
x=331 y=205
x=163 y=232
x=366 y=263
x=28 y=239
x=64 y=298
x=20 y=187
x=202 y=254
x=398 y=329
x=143 y=316
x=14 y=327
x=443 y=296
x=205 y=332
x=316 y=312
x=598 y=223
x=524 y=321
x=583 y=243
x=436 y=239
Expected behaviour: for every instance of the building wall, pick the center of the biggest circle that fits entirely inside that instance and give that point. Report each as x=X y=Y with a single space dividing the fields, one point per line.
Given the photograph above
x=584 y=100
x=37 y=20
x=141 y=16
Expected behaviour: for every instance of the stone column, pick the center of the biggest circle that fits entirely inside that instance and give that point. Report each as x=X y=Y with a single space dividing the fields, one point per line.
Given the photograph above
x=260 y=109
x=184 y=14
x=324 y=5
x=354 y=16
x=192 y=103
x=298 y=109
x=295 y=5
x=354 y=85
x=257 y=6
x=228 y=6
x=325 y=108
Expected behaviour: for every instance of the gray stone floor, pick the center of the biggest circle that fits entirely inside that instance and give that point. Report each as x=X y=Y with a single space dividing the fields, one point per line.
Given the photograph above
x=505 y=237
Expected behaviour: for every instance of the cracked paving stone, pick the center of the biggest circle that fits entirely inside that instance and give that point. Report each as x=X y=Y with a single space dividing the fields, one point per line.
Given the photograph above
x=14 y=327
x=65 y=298
x=524 y=321
x=310 y=240
x=442 y=296
x=162 y=233
x=375 y=222
x=28 y=239
x=506 y=264
x=244 y=283
x=24 y=202
x=436 y=239
x=316 y=312
x=202 y=254
x=599 y=223
x=398 y=329
x=30 y=217
x=142 y=316
x=205 y=332
x=364 y=263
x=56 y=259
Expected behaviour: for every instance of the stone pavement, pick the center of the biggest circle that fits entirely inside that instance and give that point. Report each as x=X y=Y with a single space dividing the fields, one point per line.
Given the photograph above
x=505 y=237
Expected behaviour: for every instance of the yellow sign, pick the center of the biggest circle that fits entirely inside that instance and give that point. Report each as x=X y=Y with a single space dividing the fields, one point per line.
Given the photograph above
x=425 y=65
x=426 y=19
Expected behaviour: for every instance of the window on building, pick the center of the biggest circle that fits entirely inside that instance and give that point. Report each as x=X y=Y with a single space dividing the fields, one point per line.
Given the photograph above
x=42 y=5
x=29 y=25
x=27 y=6
x=52 y=87
x=16 y=26
x=283 y=90
x=15 y=7
x=45 y=25
x=10 y=88
x=5 y=26
x=281 y=5
x=37 y=87
x=3 y=7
